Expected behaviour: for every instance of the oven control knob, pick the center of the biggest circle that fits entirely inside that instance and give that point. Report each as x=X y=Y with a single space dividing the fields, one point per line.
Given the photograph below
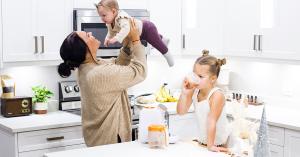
x=76 y=88
x=68 y=89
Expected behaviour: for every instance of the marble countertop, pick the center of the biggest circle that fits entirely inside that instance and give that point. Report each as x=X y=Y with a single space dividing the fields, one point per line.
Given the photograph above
x=39 y=121
x=136 y=149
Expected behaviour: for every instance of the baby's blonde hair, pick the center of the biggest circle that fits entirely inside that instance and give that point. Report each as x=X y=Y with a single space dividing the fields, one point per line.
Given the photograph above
x=213 y=63
x=111 y=4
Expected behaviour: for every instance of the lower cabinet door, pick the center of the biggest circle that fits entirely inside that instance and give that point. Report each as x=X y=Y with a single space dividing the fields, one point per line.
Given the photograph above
x=185 y=126
x=276 y=151
x=291 y=143
x=40 y=153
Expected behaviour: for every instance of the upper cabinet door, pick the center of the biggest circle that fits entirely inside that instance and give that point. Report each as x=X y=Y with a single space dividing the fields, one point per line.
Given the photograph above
x=281 y=35
x=1 y=47
x=19 y=30
x=202 y=25
x=54 y=24
x=241 y=23
x=168 y=23
x=33 y=30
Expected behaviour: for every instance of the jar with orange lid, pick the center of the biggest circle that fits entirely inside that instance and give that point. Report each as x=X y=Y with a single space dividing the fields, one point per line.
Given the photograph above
x=157 y=136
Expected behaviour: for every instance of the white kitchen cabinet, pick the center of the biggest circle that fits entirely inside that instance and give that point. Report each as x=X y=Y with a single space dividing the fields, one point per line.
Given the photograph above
x=276 y=138
x=123 y=4
x=291 y=144
x=276 y=151
x=202 y=26
x=1 y=47
x=184 y=126
x=168 y=23
x=282 y=39
x=273 y=21
x=37 y=143
x=276 y=135
x=241 y=23
x=33 y=30
x=40 y=153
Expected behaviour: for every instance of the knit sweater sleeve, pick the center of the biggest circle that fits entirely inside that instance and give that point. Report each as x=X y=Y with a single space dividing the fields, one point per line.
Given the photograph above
x=116 y=77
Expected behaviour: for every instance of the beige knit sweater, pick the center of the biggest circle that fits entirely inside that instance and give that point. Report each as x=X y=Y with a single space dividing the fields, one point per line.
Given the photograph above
x=105 y=105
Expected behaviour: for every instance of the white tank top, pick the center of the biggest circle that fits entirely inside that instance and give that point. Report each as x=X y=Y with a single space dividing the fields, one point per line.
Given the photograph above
x=202 y=109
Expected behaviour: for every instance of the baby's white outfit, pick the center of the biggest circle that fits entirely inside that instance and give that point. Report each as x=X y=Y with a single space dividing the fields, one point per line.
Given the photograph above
x=122 y=26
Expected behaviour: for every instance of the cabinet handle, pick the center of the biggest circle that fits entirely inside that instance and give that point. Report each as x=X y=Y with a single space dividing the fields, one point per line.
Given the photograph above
x=255 y=42
x=183 y=41
x=259 y=42
x=55 y=138
x=43 y=44
x=36 y=44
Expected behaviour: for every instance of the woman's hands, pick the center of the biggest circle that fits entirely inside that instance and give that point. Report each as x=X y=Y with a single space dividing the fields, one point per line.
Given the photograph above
x=133 y=35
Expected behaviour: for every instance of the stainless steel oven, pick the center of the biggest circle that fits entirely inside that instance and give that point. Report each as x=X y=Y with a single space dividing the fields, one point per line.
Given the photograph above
x=89 y=20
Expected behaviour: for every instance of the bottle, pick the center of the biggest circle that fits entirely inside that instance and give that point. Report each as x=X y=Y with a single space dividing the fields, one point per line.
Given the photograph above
x=157 y=136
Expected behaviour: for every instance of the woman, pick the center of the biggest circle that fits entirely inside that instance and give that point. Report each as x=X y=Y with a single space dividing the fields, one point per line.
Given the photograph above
x=106 y=116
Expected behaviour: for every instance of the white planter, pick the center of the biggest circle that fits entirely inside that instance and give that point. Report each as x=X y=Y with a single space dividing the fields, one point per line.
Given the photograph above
x=40 y=107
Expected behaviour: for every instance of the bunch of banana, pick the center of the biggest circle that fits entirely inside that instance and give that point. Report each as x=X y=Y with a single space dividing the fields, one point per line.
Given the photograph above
x=163 y=95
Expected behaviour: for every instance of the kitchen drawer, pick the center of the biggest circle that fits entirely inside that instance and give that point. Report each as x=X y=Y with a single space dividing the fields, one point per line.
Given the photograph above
x=185 y=126
x=43 y=139
x=276 y=135
x=276 y=151
x=40 y=153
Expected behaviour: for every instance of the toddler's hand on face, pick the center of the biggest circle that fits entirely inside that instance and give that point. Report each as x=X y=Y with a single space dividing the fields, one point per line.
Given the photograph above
x=187 y=86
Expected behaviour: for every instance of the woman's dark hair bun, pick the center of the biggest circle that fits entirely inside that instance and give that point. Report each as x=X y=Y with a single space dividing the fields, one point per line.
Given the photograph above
x=64 y=70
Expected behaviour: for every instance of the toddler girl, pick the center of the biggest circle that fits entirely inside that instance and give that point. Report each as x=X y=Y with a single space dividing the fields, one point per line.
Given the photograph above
x=118 y=26
x=208 y=101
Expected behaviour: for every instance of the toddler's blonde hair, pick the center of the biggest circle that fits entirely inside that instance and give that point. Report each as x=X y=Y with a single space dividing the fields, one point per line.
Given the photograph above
x=213 y=63
x=111 y=4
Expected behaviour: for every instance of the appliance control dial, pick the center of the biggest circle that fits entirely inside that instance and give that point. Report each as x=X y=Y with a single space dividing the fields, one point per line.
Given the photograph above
x=76 y=88
x=68 y=89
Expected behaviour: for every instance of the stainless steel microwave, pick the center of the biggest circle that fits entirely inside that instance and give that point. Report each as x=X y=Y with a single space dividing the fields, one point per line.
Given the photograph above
x=88 y=20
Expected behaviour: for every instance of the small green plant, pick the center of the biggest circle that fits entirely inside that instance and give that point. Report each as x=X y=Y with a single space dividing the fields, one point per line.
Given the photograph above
x=41 y=94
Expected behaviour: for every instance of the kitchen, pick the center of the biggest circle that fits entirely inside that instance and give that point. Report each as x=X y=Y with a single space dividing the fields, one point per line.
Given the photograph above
x=226 y=28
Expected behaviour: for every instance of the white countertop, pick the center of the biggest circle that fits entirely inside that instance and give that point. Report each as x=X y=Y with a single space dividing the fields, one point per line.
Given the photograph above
x=276 y=115
x=281 y=116
x=136 y=149
x=39 y=121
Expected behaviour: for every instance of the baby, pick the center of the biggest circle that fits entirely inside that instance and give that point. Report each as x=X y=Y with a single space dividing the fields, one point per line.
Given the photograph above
x=118 y=25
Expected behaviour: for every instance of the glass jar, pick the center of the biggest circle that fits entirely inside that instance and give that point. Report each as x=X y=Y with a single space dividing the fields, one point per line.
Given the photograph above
x=157 y=136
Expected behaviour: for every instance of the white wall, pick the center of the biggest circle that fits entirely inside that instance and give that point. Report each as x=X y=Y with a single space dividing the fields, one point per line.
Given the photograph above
x=278 y=80
x=26 y=77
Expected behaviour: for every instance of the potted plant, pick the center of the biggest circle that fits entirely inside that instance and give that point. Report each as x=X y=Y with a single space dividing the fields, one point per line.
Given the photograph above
x=40 y=99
